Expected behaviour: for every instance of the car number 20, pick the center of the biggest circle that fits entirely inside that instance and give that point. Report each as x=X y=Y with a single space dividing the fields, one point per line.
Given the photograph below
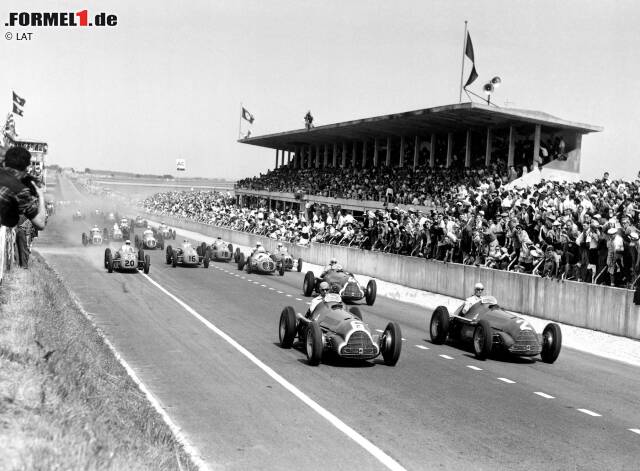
x=129 y=263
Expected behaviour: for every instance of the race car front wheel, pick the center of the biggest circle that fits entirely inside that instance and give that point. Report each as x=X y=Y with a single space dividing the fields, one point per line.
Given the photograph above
x=314 y=344
x=551 y=343
x=391 y=344
x=287 y=327
x=482 y=340
x=439 y=325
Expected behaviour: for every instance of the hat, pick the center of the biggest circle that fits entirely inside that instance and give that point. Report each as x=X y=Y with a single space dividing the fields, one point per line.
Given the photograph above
x=634 y=236
x=612 y=231
x=504 y=214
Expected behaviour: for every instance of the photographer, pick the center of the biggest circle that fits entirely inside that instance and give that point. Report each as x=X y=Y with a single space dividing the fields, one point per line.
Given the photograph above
x=19 y=191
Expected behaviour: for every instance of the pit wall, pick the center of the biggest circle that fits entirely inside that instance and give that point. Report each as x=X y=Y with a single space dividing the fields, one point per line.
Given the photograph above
x=595 y=307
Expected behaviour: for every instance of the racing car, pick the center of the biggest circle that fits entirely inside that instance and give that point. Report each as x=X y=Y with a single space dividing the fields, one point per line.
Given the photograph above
x=126 y=260
x=220 y=250
x=489 y=328
x=95 y=237
x=332 y=330
x=115 y=233
x=260 y=262
x=166 y=232
x=77 y=216
x=344 y=283
x=186 y=256
x=287 y=260
x=139 y=222
x=148 y=240
x=126 y=226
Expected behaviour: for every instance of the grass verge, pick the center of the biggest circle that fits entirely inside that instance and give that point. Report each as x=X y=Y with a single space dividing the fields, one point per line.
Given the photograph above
x=65 y=400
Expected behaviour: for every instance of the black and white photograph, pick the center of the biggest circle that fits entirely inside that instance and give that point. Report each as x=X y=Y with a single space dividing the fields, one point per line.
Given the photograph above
x=319 y=235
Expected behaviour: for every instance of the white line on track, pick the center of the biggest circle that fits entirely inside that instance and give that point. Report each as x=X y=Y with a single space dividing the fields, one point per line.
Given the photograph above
x=379 y=330
x=289 y=295
x=635 y=430
x=272 y=289
x=507 y=380
x=236 y=275
x=309 y=303
x=589 y=412
x=545 y=395
x=376 y=452
x=280 y=292
x=422 y=347
x=256 y=283
x=446 y=357
x=474 y=368
x=264 y=286
x=298 y=299
x=249 y=279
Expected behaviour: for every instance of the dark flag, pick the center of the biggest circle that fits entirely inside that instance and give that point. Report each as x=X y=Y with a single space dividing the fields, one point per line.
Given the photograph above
x=17 y=110
x=17 y=100
x=469 y=53
x=247 y=116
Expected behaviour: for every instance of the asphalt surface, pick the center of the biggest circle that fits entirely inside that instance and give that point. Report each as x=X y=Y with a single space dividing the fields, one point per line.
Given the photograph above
x=438 y=408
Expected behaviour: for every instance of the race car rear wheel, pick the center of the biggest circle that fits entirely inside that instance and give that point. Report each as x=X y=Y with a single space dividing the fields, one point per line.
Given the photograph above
x=308 y=284
x=313 y=344
x=107 y=252
x=281 y=269
x=551 y=343
x=137 y=241
x=391 y=344
x=174 y=258
x=370 y=294
x=109 y=262
x=236 y=256
x=482 y=340
x=287 y=327
x=240 y=258
x=355 y=310
x=173 y=235
x=299 y=268
x=140 y=255
x=205 y=258
x=230 y=248
x=439 y=325
x=168 y=254
x=85 y=241
x=147 y=264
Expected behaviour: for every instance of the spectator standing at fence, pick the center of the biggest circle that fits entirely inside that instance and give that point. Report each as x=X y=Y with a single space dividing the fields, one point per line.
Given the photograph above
x=19 y=193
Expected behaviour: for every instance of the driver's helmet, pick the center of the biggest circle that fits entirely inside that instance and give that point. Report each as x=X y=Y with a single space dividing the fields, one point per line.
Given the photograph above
x=258 y=245
x=478 y=289
x=279 y=245
x=333 y=261
x=324 y=288
x=127 y=242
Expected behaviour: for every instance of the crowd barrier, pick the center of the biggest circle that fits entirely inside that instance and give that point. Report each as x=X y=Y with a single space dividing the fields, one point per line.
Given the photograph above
x=7 y=244
x=595 y=307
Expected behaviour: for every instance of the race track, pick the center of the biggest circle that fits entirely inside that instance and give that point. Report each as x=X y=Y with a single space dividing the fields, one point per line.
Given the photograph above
x=438 y=408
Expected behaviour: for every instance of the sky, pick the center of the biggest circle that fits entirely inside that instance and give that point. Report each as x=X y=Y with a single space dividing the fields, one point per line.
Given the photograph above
x=168 y=80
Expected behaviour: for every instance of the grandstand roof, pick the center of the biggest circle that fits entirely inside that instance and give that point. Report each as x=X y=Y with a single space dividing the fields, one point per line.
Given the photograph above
x=441 y=119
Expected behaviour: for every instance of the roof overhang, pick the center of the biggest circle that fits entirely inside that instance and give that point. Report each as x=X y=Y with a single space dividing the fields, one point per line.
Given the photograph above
x=424 y=122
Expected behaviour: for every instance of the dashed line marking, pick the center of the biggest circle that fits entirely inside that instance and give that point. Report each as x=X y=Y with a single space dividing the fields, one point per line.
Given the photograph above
x=507 y=380
x=422 y=347
x=272 y=289
x=242 y=277
x=545 y=395
x=446 y=357
x=280 y=292
x=256 y=283
x=298 y=299
x=249 y=279
x=264 y=286
x=289 y=296
x=474 y=368
x=635 y=430
x=309 y=303
x=590 y=412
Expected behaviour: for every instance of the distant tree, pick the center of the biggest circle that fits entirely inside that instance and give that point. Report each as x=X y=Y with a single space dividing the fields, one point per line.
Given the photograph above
x=87 y=170
x=137 y=175
x=168 y=177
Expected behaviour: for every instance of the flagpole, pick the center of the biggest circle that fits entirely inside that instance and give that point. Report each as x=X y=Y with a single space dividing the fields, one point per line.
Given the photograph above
x=240 y=122
x=464 y=47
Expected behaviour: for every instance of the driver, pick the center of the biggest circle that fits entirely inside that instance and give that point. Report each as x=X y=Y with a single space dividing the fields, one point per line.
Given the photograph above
x=478 y=290
x=259 y=249
x=95 y=229
x=126 y=247
x=333 y=265
x=281 y=248
x=148 y=231
x=323 y=289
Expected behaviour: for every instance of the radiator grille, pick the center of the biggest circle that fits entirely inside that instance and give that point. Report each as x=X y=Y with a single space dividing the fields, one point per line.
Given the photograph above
x=526 y=344
x=359 y=346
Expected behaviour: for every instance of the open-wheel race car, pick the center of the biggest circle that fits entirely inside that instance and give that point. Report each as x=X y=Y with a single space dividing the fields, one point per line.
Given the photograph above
x=489 y=328
x=166 y=232
x=260 y=262
x=139 y=222
x=95 y=237
x=219 y=251
x=126 y=259
x=342 y=282
x=333 y=330
x=148 y=240
x=77 y=216
x=186 y=256
x=115 y=233
x=288 y=262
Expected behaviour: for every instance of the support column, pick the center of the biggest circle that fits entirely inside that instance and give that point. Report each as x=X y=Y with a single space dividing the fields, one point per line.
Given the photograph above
x=335 y=154
x=308 y=156
x=288 y=157
x=467 y=150
x=353 y=154
x=317 y=156
x=578 y=151
x=364 y=153
x=388 y=156
x=416 y=152
x=489 y=148
x=375 y=153
x=432 y=152
x=276 y=159
x=344 y=155
x=326 y=156
x=401 y=151
x=536 y=144
x=449 y=148
x=296 y=158
x=282 y=158
x=512 y=146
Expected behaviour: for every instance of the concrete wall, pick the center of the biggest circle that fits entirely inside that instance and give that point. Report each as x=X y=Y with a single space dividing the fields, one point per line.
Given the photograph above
x=595 y=307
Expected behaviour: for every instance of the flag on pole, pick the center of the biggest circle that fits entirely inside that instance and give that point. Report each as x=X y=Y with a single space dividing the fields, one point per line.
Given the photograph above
x=469 y=53
x=17 y=110
x=18 y=100
x=10 y=125
x=247 y=116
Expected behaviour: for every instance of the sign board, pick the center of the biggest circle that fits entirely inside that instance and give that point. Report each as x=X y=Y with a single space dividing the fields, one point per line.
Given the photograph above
x=181 y=165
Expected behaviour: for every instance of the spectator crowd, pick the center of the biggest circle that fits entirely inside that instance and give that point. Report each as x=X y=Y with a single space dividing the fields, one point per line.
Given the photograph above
x=583 y=231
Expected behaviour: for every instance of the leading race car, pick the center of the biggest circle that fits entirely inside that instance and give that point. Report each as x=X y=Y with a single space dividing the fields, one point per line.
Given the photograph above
x=148 y=240
x=95 y=237
x=331 y=329
x=126 y=259
x=343 y=282
x=489 y=328
x=283 y=256
x=186 y=256
x=220 y=250
x=139 y=222
x=260 y=262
